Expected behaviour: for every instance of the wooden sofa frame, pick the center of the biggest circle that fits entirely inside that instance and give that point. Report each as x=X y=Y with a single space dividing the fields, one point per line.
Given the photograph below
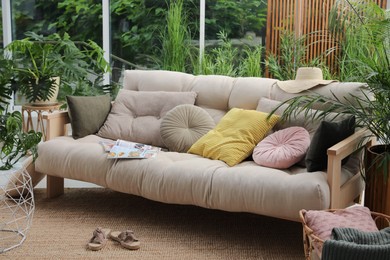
x=341 y=196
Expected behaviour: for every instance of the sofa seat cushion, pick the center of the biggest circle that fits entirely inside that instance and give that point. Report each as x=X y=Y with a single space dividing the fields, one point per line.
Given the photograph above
x=81 y=159
x=184 y=178
x=136 y=115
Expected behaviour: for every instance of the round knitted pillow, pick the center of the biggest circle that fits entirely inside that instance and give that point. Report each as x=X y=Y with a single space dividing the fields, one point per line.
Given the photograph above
x=283 y=148
x=183 y=125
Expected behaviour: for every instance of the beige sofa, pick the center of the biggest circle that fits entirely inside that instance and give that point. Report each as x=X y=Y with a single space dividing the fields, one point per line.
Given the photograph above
x=183 y=178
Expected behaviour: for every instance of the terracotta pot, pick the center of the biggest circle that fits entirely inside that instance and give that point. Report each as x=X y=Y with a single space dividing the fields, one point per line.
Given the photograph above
x=377 y=192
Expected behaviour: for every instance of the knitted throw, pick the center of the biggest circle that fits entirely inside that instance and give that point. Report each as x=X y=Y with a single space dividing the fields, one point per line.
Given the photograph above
x=353 y=244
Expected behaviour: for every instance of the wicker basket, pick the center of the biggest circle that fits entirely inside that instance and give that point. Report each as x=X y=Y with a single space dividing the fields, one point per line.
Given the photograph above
x=312 y=242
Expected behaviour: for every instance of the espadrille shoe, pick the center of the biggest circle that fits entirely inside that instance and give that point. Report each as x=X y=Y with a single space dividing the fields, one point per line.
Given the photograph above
x=126 y=239
x=99 y=239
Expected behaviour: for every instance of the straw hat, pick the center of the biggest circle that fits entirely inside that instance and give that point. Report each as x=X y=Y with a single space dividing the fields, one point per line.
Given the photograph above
x=306 y=78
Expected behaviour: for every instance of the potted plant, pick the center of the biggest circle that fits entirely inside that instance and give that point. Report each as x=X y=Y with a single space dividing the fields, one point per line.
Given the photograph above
x=14 y=142
x=5 y=86
x=40 y=64
x=364 y=41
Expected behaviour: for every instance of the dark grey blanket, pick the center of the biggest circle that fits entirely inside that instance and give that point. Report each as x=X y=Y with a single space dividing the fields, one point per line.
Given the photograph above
x=353 y=244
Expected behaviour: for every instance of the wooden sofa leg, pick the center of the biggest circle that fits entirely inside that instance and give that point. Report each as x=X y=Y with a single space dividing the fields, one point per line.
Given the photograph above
x=55 y=186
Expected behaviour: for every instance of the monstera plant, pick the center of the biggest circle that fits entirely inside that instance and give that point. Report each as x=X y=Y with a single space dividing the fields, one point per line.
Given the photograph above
x=40 y=64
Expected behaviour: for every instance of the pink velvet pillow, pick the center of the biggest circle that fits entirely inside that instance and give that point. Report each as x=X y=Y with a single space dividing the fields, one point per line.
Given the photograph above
x=322 y=222
x=283 y=148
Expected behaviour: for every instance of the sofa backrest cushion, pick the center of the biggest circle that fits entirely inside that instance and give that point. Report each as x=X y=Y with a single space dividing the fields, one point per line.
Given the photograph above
x=303 y=119
x=218 y=94
x=136 y=115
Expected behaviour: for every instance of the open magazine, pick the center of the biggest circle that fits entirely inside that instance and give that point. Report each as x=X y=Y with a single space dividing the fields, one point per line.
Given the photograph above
x=126 y=149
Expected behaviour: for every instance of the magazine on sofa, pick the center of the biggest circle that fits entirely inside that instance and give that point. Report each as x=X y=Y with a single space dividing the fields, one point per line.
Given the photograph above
x=130 y=150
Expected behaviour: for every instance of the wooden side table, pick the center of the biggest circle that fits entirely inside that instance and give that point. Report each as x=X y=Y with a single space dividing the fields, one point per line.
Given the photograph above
x=30 y=109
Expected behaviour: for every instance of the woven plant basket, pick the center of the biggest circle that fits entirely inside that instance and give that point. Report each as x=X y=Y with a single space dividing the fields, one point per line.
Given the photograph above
x=311 y=242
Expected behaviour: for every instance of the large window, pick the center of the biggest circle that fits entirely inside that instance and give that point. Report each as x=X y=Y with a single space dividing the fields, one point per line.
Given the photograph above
x=154 y=34
x=243 y=19
x=1 y=25
x=234 y=36
x=80 y=19
x=139 y=33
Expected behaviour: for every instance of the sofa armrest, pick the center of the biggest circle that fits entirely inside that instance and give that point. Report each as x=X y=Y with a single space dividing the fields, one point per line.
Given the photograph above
x=56 y=124
x=343 y=196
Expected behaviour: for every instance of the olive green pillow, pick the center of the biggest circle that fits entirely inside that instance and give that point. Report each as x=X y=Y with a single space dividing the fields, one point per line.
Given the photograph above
x=183 y=125
x=87 y=113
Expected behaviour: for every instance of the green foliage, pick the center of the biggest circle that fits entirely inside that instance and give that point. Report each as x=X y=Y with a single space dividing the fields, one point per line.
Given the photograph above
x=15 y=143
x=251 y=62
x=230 y=60
x=364 y=41
x=5 y=84
x=292 y=55
x=234 y=17
x=37 y=59
x=175 y=38
x=73 y=15
x=364 y=46
x=135 y=23
x=220 y=60
x=135 y=28
x=1 y=23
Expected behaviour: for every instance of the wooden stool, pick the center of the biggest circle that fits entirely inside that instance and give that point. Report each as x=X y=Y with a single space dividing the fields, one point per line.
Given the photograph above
x=39 y=109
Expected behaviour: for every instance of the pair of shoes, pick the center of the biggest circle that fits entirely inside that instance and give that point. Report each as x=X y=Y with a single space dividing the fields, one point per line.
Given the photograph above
x=126 y=239
x=99 y=239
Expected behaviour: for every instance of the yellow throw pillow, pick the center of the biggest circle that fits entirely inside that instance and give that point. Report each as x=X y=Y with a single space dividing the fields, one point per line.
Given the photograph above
x=235 y=136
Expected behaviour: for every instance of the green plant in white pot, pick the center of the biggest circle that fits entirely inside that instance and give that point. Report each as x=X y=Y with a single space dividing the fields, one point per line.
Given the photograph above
x=363 y=30
x=14 y=142
x=17 y=150
x=43 y=63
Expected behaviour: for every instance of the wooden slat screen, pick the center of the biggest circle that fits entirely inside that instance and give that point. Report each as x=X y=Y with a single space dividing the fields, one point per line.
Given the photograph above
x=304 y=17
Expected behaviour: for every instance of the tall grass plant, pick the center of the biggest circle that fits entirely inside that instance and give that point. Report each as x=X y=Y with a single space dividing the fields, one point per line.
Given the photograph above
x=291 y=56
x=175 y=38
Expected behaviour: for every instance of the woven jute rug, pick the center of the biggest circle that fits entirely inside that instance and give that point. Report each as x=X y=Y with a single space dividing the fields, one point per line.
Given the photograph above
x=62 y=226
